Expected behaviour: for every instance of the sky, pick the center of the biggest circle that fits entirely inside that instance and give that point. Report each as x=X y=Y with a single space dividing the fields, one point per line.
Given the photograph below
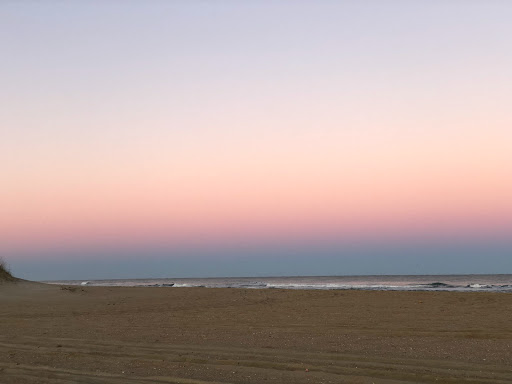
x=255 y=138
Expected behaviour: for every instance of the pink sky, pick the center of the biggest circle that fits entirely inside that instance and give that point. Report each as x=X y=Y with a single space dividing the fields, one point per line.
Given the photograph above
x=269 y=133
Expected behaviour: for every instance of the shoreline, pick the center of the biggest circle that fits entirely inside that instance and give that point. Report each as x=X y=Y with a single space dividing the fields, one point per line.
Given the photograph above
x=456 y=283
x=462 y=291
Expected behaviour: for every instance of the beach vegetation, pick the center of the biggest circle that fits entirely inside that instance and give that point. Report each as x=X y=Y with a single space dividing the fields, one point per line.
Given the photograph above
x=5 y=273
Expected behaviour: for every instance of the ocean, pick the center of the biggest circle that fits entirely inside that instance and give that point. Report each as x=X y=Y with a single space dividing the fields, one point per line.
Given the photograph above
x=460 y=283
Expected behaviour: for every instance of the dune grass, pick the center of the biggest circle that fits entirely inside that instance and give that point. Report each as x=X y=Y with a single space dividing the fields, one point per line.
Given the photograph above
x=5 y=273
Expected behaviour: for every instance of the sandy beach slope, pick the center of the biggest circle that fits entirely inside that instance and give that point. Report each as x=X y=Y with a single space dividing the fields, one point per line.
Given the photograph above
x=53 y=334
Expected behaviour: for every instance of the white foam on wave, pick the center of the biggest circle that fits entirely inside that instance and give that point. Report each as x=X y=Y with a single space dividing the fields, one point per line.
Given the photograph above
x=479 y=286
x=332 y=286
x=178 y=285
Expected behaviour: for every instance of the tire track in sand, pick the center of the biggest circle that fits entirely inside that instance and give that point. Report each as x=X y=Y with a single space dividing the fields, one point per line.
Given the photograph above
x=284 y=364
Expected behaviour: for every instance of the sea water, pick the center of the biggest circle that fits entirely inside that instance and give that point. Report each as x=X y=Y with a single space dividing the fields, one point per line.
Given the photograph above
x=464 y=283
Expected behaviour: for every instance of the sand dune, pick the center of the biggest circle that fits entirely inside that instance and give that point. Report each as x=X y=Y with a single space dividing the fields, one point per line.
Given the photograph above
x=53 y=334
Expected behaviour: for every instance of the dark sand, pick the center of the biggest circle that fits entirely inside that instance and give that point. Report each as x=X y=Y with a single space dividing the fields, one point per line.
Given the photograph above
x=52 y=334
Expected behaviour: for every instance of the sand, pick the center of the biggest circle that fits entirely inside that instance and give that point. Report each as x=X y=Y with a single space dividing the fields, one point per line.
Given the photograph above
x=53 y=334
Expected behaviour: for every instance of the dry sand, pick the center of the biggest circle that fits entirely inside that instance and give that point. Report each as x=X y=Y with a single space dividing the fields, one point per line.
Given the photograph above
x=53 y=334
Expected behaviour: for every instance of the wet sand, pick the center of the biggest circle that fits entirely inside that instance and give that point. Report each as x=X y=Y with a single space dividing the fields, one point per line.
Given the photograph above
x=53 y=334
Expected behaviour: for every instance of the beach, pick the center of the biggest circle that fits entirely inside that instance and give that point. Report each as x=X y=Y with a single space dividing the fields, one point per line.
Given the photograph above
x=83 y=334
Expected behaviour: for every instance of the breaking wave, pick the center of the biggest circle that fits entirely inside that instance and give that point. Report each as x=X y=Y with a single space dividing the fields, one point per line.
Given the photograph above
x=462 y=283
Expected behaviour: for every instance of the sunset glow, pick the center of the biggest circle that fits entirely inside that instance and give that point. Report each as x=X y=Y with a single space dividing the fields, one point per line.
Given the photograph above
x=253 y=129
